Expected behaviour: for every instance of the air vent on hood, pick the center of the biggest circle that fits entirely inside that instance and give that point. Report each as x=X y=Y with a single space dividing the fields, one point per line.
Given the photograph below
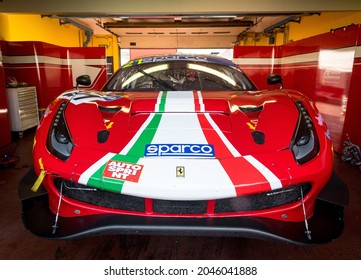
x=251 y=109
x=103 y=136
x=109 y=109
x=258 y=137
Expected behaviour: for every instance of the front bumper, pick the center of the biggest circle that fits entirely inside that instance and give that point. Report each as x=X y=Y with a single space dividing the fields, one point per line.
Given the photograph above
x=326 y=224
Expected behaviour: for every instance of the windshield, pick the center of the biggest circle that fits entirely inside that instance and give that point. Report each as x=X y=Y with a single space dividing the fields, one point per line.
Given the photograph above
x=179 y=76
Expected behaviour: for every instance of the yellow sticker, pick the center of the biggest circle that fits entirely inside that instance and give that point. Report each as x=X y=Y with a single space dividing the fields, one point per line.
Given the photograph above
x=41 y=165
x=38 y=181
x=108 y=126
x=34 y=143
x=251 y=126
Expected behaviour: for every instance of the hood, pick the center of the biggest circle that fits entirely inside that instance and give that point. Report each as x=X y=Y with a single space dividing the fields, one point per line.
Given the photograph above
x=182 y=124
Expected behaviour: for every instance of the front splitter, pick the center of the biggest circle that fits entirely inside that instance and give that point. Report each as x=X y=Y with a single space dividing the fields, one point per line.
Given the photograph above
x=326 y=224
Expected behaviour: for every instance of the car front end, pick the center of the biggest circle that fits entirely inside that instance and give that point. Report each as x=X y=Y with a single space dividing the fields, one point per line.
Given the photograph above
x=204 y=162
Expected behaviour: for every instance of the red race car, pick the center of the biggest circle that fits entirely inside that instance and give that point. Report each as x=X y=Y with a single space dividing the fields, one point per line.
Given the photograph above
x=184 y=144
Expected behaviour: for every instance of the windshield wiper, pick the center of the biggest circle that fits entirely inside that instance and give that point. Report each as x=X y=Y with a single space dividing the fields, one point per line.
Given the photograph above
x=158 y=81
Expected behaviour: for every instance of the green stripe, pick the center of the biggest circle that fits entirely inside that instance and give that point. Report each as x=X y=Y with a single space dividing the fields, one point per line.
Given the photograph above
x=133 y=155
x=162 y=102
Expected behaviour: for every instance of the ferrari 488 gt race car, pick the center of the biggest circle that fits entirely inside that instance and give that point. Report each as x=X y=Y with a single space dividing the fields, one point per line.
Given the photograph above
x=181 y=144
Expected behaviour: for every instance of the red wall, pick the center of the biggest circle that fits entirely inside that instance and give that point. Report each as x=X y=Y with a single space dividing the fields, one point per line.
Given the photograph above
x=326 y=68
x=257 y=62
x=53 y=69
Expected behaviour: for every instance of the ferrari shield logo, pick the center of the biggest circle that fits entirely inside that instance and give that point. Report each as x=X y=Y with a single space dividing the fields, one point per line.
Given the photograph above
x=180 y=171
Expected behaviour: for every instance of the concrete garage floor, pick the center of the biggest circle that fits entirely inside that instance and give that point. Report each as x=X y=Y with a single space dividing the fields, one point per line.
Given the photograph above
x=16 y=243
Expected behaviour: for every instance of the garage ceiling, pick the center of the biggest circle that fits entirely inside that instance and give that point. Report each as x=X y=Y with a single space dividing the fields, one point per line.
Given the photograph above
x=182 y=25
x=227 y=20
x=181 y=31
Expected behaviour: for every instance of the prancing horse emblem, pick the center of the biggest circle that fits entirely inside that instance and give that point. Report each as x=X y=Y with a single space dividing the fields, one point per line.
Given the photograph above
x=180 y=171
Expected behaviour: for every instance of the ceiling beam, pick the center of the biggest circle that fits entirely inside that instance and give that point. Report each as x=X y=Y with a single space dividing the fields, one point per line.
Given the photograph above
x=119 y=24
x=162 y=7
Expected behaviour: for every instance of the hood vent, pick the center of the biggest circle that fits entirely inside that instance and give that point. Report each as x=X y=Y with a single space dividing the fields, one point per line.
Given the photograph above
x=109 y=109
x=258 y=137
x=251 y=109
x=103 y=136
x=253 y=113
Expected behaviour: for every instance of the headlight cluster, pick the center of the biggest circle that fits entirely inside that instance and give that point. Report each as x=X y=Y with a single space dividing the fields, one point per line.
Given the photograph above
x=59 y=141
x=304 y=144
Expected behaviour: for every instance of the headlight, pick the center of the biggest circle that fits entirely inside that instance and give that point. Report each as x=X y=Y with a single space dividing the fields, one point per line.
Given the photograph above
x=59 y=141
x=304 y=144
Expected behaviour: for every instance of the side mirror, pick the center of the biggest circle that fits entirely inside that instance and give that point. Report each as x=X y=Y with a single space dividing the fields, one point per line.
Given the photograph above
x=274 y=79
x=83 y=80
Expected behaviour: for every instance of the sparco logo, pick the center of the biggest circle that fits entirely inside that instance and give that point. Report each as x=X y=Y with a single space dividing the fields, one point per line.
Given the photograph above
x=179 y=150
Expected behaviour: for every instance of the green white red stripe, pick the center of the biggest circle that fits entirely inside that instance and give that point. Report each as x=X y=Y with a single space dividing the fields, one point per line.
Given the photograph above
x=181 y=118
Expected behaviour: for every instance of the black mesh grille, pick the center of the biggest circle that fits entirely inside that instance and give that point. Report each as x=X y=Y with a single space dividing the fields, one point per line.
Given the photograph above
x=101 y=198
x=119 y=201
x=262 y=200
x=179 y=207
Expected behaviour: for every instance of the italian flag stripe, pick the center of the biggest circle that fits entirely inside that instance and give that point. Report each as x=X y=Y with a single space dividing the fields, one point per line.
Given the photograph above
x=204 y=179
x=243 y=171
x=130 y=154
x=161 y=102
x=227 y=175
